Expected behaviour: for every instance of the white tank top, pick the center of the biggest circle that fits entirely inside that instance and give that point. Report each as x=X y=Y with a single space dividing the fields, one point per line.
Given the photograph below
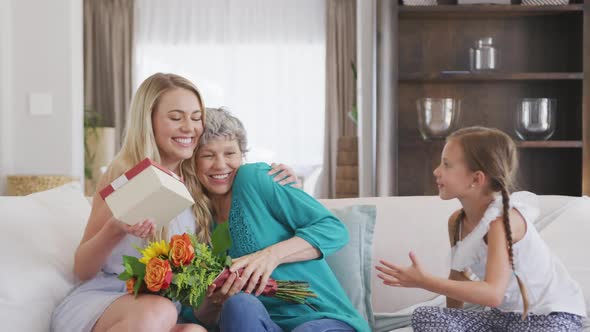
x=549 y=286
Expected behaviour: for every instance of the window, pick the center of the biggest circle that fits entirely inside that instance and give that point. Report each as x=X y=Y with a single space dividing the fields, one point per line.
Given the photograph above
x=264 y=59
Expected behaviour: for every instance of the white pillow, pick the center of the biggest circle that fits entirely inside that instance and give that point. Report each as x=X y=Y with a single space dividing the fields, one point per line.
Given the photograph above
x=567 y=236
x=38 y=239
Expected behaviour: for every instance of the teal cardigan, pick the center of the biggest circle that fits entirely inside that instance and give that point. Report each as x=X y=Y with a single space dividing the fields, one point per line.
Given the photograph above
x=264 y=213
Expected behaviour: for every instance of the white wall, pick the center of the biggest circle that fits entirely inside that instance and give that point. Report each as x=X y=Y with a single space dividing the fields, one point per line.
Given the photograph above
x=41 y=51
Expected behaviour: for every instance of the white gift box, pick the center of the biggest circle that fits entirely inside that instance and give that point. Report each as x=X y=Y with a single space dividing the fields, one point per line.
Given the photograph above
x=148 y=190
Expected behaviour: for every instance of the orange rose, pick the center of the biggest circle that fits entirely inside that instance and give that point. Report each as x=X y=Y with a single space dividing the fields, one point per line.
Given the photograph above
x=130 y=283
x=158 y=274
x=181 y=250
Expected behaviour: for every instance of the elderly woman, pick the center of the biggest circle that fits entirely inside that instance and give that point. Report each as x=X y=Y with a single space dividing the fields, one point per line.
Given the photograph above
x=277 y=231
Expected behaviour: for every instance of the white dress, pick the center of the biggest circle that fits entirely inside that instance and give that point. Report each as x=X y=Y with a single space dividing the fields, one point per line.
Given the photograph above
x=550 y=287
x=84 y=305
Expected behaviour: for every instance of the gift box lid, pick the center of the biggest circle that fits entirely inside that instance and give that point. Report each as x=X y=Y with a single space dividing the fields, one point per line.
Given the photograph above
x=130 y=174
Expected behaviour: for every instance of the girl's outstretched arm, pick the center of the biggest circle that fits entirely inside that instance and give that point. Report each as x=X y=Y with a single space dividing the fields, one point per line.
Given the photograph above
x=489 y=292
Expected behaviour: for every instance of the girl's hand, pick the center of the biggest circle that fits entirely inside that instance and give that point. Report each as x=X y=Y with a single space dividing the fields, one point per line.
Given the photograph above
x=398 y=276
x=141 y=230
x=230 y=287
x=284 y=175
x=258 y=267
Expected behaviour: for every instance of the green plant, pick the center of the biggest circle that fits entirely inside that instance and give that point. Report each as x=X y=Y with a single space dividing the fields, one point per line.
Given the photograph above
x=92 y=121
x=353 y=114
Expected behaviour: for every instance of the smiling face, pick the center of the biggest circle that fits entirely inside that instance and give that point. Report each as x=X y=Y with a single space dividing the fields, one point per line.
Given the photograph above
x=453 y=177
x=178 y=125
x=217 y=164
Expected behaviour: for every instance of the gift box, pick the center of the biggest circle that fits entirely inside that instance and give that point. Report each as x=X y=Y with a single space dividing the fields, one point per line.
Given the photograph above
x=148 y=190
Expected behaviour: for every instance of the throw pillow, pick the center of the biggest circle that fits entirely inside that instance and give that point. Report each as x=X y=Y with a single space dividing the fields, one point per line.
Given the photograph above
x=352 y=264
x=39 y=236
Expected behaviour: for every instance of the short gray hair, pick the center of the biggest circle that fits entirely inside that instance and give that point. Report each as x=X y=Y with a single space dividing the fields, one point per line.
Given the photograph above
x=219 y=123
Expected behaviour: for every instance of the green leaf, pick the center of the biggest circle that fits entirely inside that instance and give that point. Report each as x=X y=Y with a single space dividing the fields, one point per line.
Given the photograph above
x=134 y=266
x=137 y=286
x=228 y=261
x=125 y=276
x=221 y=239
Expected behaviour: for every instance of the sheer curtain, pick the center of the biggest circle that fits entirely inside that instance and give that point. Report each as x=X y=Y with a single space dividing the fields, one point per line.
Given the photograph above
x=264 y=59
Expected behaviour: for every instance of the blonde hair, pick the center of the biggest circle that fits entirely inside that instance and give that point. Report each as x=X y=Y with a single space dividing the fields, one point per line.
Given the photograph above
x=494 y=153
x=139 y=141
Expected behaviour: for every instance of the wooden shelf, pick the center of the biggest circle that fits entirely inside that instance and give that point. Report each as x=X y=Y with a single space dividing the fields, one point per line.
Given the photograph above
x=439 y=143
x=549 y=144
x=543 y=53
x=467 y=76
x=478 y=11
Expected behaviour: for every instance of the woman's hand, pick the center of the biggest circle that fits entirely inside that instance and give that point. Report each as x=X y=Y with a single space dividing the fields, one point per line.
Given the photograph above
x=284 y=175
x=258 y=267
x=141 y=230
x=399 y=276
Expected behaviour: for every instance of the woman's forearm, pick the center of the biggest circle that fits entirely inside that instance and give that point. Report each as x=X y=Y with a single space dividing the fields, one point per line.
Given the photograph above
x=477 y=292
x=91 y=254
x=293 y=250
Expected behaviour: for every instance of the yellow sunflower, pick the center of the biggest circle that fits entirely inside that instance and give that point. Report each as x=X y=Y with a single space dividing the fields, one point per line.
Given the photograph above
x=154 y=249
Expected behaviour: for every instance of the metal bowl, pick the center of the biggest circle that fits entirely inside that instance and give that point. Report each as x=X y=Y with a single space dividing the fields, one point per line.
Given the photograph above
x=437 y=117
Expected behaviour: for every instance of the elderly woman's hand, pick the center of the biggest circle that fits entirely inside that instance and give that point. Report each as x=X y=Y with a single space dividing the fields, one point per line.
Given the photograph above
x=284 y=175
x=258 y=267
x=230 y=287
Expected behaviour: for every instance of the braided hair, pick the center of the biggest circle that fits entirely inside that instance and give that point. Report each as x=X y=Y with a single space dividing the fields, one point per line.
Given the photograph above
x=494 y=153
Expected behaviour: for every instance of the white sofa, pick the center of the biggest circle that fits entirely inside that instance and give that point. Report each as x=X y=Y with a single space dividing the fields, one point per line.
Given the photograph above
x=40 y=233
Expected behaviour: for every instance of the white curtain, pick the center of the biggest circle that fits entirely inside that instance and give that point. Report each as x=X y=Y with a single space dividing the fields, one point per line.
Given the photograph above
x=264 y=59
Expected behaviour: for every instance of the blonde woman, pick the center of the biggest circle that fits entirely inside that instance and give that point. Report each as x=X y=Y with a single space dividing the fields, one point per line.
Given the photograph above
x=165 y=124
x=493 y=236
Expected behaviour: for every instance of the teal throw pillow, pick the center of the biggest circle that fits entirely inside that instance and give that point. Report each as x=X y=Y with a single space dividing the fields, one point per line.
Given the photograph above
x=352 y=264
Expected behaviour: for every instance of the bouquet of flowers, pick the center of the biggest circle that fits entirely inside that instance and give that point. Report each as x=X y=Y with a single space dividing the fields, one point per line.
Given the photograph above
x=182 y=270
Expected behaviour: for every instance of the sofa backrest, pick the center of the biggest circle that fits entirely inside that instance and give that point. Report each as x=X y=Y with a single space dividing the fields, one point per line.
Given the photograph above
x=419 y=223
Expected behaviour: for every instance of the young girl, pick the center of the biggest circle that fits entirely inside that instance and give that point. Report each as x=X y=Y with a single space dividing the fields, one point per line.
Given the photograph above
x=165 y=124
x=493 y=237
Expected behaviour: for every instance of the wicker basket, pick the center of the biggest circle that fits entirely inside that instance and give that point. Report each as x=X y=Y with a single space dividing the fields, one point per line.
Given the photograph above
x=21 y=185
x=347 y=180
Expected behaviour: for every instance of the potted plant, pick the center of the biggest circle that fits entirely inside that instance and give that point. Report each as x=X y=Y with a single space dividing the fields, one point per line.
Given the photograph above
x=99 y=148
x=347 y=183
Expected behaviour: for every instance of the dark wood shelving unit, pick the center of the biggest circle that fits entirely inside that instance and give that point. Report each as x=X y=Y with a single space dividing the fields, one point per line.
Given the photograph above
x=549 y=144
x=543 y=53
x=520 y=144
x=478 y=11
x=466 y=76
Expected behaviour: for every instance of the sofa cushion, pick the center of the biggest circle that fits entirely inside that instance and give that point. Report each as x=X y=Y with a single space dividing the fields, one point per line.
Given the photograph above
x=567 y=236
x=352 y=264
x=404 y=224
x=39 y=236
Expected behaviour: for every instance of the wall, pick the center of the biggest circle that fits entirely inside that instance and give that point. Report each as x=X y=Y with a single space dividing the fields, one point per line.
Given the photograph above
x=41 y=51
